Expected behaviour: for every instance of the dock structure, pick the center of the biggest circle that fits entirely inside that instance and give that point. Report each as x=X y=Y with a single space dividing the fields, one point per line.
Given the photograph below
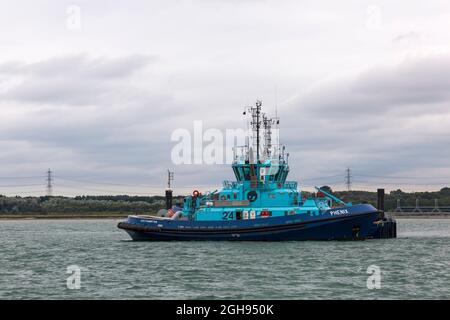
x=421 y=209
x=169 y=192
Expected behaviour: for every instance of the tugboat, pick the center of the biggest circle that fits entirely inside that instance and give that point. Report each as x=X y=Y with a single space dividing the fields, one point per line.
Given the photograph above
x=261 y=204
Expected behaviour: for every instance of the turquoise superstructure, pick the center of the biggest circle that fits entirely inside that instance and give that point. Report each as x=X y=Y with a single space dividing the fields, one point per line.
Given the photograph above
x=260 y=189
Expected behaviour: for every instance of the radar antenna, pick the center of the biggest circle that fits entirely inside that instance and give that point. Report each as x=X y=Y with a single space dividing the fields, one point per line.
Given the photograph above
x=256 y=126
x=267 y=122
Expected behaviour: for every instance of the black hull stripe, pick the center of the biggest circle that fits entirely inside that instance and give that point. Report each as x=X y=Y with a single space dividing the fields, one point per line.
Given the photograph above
x=187 y=231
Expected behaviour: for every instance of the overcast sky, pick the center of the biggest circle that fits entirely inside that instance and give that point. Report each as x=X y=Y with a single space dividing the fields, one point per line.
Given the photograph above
x=94 y=89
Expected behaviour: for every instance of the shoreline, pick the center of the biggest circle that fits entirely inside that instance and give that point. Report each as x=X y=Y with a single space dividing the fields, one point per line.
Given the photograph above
x=395 y=215
x=63 y=217
x=413 y=215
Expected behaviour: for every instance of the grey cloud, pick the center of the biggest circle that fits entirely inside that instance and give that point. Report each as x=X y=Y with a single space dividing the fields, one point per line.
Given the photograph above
x=408 y=36
x=93 y=114
x=122 y=133
x=385 y=121
x=95 y=119
x=424 y=83
x=81 y=65
x=74 y=79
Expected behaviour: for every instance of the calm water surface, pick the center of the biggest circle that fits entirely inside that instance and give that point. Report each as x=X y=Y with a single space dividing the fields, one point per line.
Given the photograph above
x=34 y=256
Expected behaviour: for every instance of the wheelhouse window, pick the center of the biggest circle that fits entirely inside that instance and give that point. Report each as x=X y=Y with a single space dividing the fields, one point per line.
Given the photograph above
x=237 y=174
x=246 y=173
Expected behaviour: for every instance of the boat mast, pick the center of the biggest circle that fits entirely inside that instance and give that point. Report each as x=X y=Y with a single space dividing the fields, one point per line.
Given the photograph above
x=256 y=122
x=256 y=126
x=267 y=122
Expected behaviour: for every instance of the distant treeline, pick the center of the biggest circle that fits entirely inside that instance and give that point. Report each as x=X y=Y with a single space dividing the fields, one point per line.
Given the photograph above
x=82 y=204
x=151 y=204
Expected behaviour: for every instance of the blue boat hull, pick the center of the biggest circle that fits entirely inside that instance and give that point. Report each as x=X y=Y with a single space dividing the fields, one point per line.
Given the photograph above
x=349 y=223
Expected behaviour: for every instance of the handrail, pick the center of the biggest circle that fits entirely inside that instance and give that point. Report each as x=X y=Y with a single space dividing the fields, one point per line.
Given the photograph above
x=331 y=196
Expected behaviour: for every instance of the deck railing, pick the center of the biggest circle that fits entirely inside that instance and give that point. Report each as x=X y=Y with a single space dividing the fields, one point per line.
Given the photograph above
x=234 y=184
